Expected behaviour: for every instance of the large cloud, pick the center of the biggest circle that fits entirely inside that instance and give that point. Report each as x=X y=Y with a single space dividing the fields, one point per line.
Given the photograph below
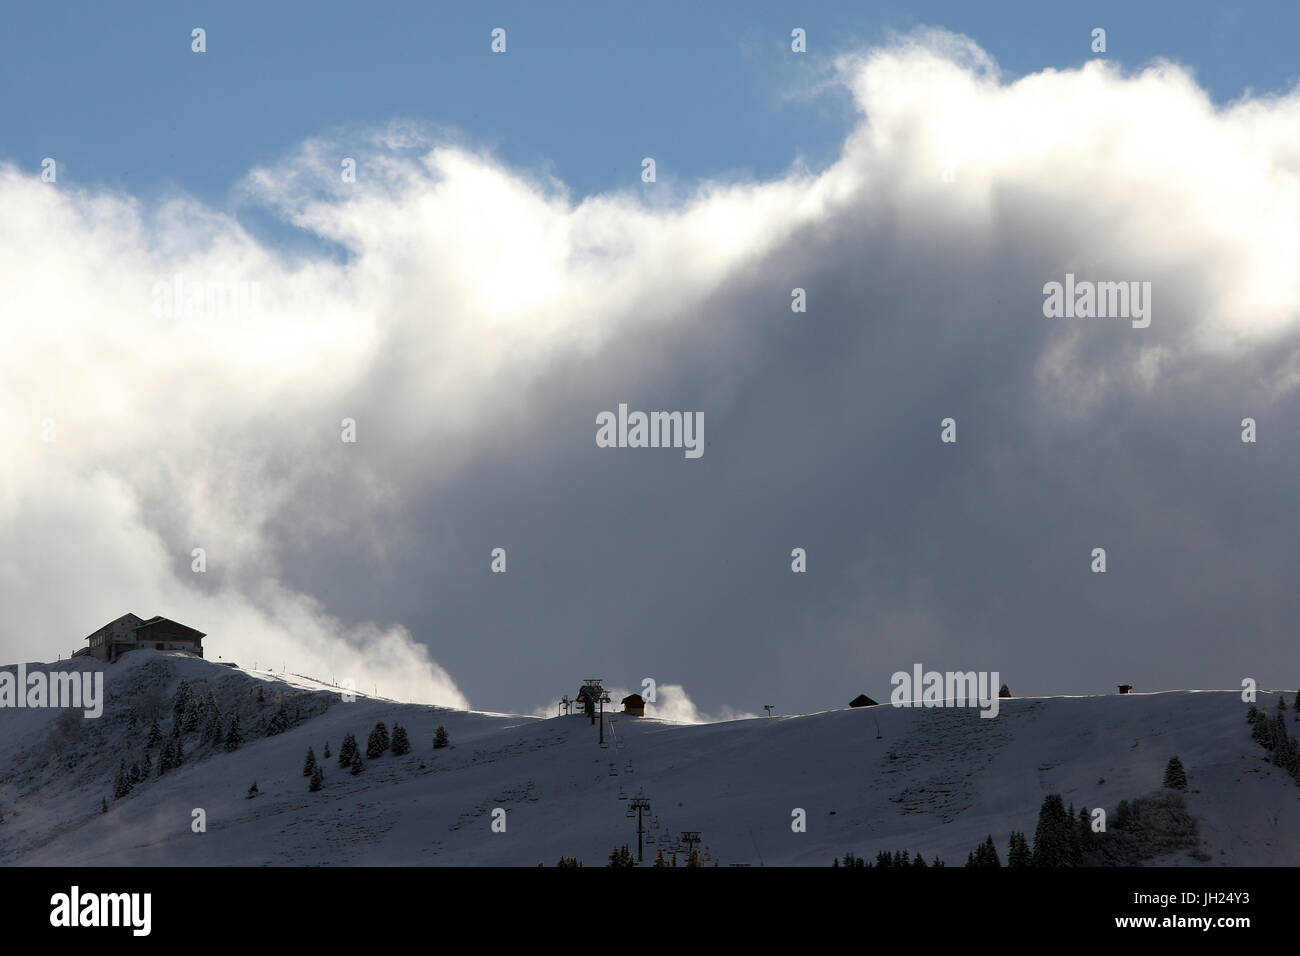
x=473 y=320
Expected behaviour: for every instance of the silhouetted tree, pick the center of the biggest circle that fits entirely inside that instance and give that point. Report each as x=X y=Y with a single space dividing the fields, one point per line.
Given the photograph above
x=378 y=741
x=1175 y=775
x=401 y=744
x=1052 y=837
x=234 y=739
x=621 y=856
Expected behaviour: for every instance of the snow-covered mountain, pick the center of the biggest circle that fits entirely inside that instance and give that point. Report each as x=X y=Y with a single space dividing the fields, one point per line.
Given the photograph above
x=937 y=781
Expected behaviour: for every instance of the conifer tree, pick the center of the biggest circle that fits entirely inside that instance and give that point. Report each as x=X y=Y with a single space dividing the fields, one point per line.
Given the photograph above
x=1018 y=850
x=180 y=701
x=253 y=791
x=1123 y=816
x=178 y=754
x=1175 y=775
x=103 y=804
x=234 y=739
x=660 y=862
x=279 y=722
x=317 y=778
x=121 y=783
x=310 y=764
x=327 y=750
x=378 y=742
x=167 y=759
x=155 y=734
x=440 y=739
x=347 y=751
x=401 y=744
x=212 y=735
x=357 y=765
x=1052 y=836
x=621 y=856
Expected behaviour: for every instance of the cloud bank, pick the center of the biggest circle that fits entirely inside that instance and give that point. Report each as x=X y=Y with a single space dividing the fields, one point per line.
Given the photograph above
x=472 y=320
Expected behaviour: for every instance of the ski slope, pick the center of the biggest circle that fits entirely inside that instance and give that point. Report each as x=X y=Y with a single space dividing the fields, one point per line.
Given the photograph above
x=879 y=778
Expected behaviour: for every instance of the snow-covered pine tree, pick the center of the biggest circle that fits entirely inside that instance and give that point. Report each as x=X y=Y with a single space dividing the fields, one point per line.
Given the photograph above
x=180 y=701
x=401 y=744
x=155 y=734
x=357 y=765
x=168 y=758
x=347 y=751
x=309 y=765
x=121 y=783
x=212 y=735
x=317 y=779
x=1175 y=775
x=440 y=738
x=233 y=737
x=378 y=741
x=1052 y=836
x=279 y=722
x=178 y=754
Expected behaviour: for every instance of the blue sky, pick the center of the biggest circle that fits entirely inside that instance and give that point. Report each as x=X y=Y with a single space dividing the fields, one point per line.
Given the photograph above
x=583 y=92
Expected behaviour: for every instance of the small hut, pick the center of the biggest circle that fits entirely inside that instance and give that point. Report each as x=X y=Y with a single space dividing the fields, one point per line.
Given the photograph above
x=1125 y=688
x=862 y=700
x=634 y=705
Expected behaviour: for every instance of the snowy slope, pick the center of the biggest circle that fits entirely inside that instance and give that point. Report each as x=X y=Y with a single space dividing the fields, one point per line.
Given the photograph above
x=936 y=780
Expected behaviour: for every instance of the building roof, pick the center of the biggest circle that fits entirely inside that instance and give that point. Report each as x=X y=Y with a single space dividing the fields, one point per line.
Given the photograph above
x=862 y=700
x=136 y=623
x=133 y=620
x=634 y=699
x=158 y=620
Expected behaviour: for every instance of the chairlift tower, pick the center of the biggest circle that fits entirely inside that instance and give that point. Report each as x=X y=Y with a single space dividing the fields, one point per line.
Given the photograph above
x=690 y=838
x=641 y=805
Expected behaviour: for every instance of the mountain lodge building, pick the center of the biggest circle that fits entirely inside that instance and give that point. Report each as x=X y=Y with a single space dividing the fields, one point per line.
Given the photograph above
x=130 y=632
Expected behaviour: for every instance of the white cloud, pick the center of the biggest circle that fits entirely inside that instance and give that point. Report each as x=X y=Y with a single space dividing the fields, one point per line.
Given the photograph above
x=464 y=283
